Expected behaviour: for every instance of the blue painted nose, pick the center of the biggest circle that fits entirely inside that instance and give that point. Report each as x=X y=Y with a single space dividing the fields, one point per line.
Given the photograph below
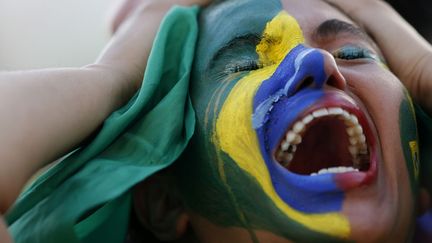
x=302 y=68
x=300 y=81
x=313 y=68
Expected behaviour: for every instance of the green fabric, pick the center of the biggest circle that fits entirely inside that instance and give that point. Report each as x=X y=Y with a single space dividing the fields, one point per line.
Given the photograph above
x=86 y=197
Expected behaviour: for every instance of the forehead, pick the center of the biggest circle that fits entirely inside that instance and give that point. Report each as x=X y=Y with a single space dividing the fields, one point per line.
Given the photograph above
x=221 y=22
x=311 y=13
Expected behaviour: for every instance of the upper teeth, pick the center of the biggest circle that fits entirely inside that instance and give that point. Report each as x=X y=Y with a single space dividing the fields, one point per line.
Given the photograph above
x=354 y=130
x=334 y=170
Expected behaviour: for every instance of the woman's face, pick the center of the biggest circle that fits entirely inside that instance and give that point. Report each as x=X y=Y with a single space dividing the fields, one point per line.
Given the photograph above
x=302 y=132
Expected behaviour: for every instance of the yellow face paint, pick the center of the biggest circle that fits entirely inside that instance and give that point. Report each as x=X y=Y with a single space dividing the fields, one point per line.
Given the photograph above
x=236 y=137
x=415 y=157
x=281 y=35
x=414 y=144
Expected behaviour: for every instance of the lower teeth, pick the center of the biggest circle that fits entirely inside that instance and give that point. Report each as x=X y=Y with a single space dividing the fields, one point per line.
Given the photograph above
x=335 y=170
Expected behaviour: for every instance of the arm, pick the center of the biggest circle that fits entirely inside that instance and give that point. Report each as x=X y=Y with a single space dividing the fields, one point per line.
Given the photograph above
x=408 y=54
x=46 y=113
x=4 y=235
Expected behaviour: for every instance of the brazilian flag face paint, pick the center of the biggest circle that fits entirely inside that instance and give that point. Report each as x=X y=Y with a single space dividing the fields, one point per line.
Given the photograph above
x=410 y=141
x=228 y=160
x=257 y=112
x=254 y=79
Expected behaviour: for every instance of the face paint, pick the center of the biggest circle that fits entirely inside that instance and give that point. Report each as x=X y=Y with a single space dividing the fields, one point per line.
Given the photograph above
x=250 y=93
x=279 y=39
x=269 y=96
x=409 y=138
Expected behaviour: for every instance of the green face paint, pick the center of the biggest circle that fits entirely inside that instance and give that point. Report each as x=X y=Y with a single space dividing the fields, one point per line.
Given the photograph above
x=424 y=123
x=410 y=141
x=212 y=183
x=224 y=179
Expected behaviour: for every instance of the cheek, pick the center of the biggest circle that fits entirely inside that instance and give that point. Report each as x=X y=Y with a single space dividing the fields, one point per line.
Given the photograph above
x=392 y=113
x=382 y=93
x=384 y=101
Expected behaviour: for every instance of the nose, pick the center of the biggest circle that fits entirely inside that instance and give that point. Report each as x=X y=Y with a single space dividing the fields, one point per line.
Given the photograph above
x=317 y=70
x=334 y=76
x=302 y=69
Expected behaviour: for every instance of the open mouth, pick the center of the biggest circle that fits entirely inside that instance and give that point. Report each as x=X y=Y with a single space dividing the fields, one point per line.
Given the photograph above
x=331 y=137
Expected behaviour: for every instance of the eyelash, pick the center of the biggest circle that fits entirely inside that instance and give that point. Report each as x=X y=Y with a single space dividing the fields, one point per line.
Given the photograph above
x=249 y=65
x=353 y=53
x=345 y=53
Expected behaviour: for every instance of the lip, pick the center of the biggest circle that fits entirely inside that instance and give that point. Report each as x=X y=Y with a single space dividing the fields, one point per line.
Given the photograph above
x=334 y=98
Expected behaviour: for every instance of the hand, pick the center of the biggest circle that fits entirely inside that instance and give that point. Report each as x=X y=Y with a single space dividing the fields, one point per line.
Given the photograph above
x=409 y=55
x=123 y=8
x=135 y=24
x=47 y=113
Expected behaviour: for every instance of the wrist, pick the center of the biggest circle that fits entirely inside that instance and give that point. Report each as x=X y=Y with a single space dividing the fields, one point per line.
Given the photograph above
x=120 y=83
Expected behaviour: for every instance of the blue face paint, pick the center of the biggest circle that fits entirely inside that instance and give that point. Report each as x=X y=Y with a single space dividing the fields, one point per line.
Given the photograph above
x=277 y=105
x=296 y=66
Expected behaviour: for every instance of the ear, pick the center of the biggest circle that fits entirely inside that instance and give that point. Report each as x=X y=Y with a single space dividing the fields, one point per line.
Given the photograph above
x=159 y=209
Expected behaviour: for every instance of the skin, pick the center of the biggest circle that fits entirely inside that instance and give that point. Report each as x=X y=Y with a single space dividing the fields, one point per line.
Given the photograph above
x=75 y=104
x=47 y=113
x=223 y=199
x=411 y=63
x=229 y=221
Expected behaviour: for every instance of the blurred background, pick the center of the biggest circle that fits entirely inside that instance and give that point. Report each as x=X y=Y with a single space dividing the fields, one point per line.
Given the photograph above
x=418 y=13
x=71 y=33
x=51 y=33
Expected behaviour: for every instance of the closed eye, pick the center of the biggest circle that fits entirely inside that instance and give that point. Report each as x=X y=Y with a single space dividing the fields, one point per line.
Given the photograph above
x=245 y=66
x=351 y=52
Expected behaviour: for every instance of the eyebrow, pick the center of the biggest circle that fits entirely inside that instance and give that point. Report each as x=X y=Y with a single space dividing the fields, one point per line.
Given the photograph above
x=333 y=28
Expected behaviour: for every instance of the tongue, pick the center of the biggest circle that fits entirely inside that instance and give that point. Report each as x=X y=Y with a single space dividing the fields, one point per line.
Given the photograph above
x=325 y=145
